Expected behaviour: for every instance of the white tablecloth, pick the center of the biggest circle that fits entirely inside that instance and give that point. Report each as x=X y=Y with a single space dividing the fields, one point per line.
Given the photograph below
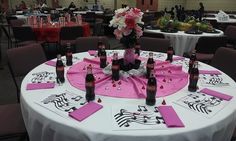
x=230 y=21
x=183 y=42
x=45 y=125
x=84 y=12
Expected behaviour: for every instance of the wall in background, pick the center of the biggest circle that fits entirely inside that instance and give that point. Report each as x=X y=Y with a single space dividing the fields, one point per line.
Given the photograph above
x=225 y=5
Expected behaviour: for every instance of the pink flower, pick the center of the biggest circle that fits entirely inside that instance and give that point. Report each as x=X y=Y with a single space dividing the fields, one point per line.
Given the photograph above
x=130 y=22
x=118 y=34
x=139 y=31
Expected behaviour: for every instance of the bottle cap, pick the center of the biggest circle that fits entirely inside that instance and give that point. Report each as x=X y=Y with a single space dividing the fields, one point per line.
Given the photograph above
x=58 y=56
x=151 y=54
x=115 y=56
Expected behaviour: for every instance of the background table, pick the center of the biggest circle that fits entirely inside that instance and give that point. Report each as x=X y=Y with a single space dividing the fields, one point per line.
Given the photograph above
x=183 y=42
x=51 y=32
x=45 y=125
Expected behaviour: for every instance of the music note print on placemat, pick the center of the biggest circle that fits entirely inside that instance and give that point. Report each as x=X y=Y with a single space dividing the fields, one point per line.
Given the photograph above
x=61 y=103
x=137 y=117
x=212 y=80
x=201 y=103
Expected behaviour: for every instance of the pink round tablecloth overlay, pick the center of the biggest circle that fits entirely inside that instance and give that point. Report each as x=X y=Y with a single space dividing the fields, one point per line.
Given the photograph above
x=170 y=79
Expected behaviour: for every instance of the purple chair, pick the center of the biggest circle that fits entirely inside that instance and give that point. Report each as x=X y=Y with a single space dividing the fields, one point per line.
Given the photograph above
x=12 y=124
x=22 y=60
x=90 y=43
x=154 y=44
x=224 y=60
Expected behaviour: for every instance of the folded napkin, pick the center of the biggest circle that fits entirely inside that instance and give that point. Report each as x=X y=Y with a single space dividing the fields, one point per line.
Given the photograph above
x=85 y=111
x=216 y=94
x=92 y=52
x=51 y=63
x=35 y=86
x=178 y=58
x=216 y=72
x=92 y=61
x=170 y=117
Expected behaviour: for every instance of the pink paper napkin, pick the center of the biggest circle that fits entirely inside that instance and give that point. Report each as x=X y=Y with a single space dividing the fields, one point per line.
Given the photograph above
x=85 y=111
x=92 y=52
x=170 y=117
x=178 y=58
x=51 y=63
x=216 y=94
x=216 y=72
x=92 y=61
x=35 y=86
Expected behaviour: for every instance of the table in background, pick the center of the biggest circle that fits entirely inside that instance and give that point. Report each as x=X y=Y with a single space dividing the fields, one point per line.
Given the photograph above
x=84 y=12
x=183 y=42
x=45 y=125
x=51 y=33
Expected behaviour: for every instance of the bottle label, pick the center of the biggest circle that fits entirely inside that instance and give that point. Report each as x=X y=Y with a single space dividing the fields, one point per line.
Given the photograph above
x=115 y=67
x=151 y=66
x=151 y=88
x=69 y=54
x=90 y=84
x=60 y=68
x=103 y=57
x=170 y=52
x=195 y=77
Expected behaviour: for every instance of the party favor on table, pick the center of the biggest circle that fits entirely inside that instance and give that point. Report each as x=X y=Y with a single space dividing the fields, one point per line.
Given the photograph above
x=85 y=111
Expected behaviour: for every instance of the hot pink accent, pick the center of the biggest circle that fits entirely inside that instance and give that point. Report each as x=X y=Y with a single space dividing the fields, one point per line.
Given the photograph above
x=130 y=87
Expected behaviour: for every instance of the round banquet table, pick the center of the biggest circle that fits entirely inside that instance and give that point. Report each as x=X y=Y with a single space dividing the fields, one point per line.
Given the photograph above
x=51 y=32
x=47 y=125
x=183 y=42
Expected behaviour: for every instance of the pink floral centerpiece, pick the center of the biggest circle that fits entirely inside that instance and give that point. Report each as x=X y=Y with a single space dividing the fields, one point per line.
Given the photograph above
x=127 y=21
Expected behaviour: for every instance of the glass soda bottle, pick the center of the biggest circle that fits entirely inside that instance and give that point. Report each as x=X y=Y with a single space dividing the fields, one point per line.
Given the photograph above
x=192 y=59
x=103 y=58
x=89 y=84
x=115 y=67
x=193 y=78
x=99 y=47
x=150 y=64
x=170 y=53
x=60 y=70
x=69 y=56
x=137 y=49
x=151 y=89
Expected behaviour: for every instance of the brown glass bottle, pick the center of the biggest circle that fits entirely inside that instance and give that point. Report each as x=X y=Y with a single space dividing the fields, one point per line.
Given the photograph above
x=151 y=89
x=193 y=78
x=137 y=49
x=192 y=59
x=115 y=67
x=60 y=70
x=89 y=84
x=150 y=65
x=69 y=56
x=103 y=58
x=170 y=53
x=99 y=47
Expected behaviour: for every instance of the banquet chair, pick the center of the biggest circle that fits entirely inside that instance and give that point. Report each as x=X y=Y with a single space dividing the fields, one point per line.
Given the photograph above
x=224 y=60
x=230 y=33
x=153 y=35
x=12 y=124
x=10 y=39
x=24 y=35
x=154 y=44
x=207 y=46
x=22 y=60
x=16 y=22
x=90 y=43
